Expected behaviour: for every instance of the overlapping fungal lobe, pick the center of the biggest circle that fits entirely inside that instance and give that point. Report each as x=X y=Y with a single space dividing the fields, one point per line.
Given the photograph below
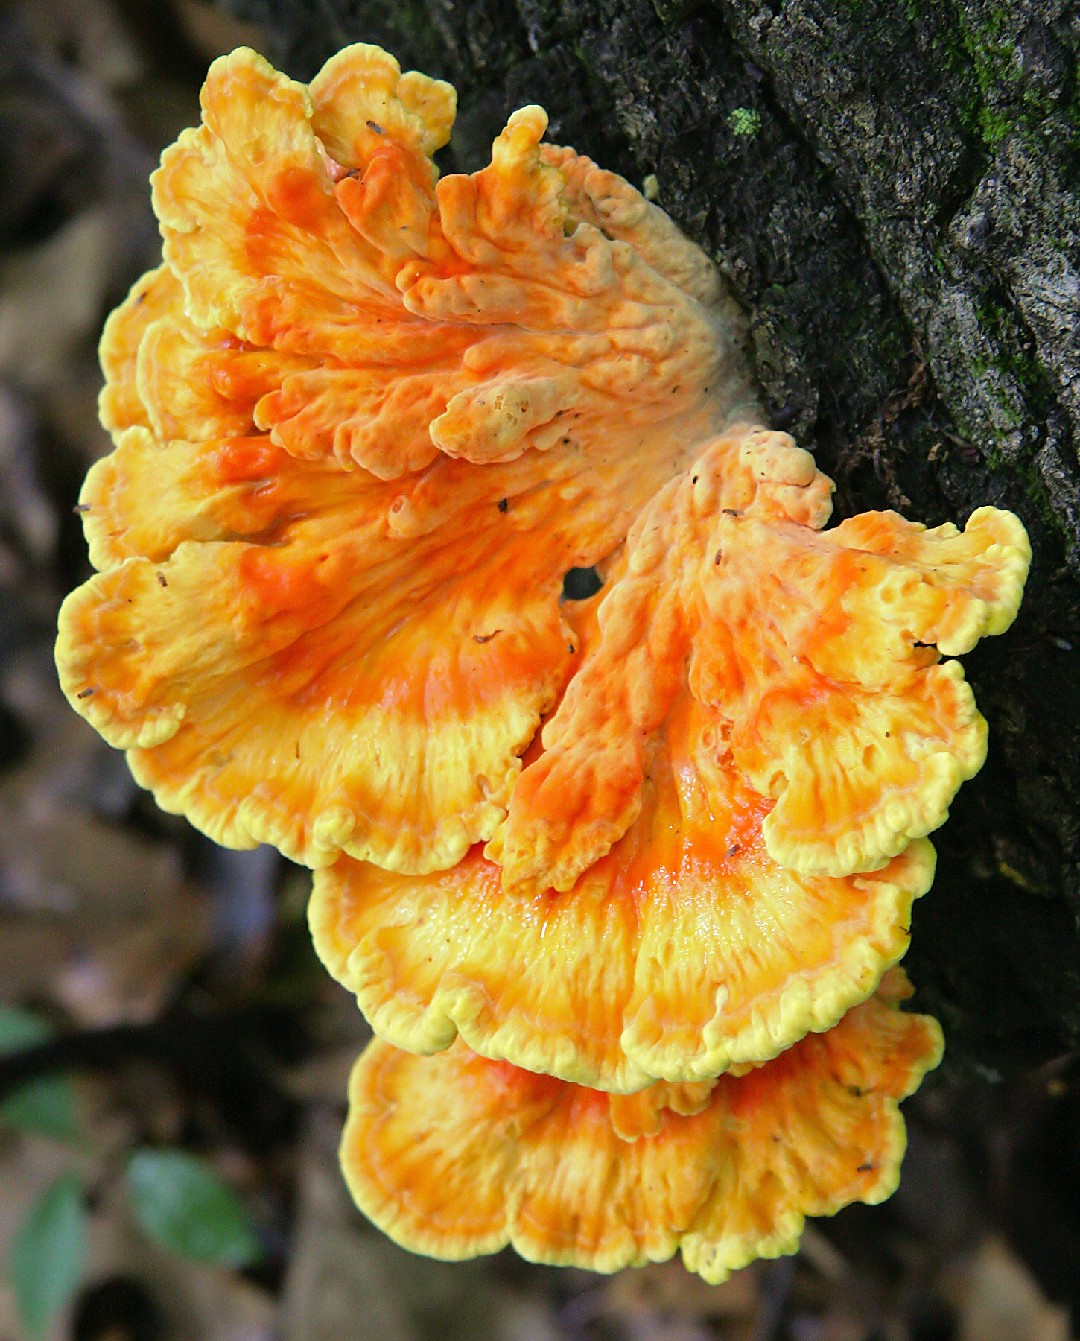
x=818 y=650
x=364 y=423
x=365 y=420
x=682 y=952
x=731 y=797
x=456 y=1155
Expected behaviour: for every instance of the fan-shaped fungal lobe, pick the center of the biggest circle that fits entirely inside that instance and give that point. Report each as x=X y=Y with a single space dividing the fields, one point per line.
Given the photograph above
x=365 y=421
x=455 y=1155
x=363 y=426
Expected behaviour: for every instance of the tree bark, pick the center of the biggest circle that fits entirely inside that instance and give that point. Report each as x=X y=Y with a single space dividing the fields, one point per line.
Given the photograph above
x=891 y=190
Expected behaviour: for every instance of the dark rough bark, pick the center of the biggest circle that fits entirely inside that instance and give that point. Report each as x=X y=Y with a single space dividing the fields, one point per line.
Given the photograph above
x=891 y=189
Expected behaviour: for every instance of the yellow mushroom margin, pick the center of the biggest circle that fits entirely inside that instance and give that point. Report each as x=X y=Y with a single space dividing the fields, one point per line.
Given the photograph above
x=713 y=955
x=455 y=1155
x=363 y=423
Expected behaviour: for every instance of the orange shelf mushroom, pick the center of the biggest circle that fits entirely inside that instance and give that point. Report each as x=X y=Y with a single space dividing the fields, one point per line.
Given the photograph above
x=739 y=653
x=455 y=1155
x=365 y=420
x=684 y=951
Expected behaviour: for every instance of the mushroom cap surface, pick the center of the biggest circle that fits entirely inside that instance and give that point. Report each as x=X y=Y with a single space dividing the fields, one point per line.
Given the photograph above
x=455 y=1155
x=365 y=421
x=364 y=425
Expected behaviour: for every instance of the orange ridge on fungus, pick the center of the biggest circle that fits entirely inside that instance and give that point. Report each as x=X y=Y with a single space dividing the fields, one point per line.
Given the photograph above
x=455 y=1156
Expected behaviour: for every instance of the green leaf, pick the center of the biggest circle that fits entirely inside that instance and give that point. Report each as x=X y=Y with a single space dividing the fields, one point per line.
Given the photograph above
x=45 y=1260
x=45 y=1106
x=181 y=1203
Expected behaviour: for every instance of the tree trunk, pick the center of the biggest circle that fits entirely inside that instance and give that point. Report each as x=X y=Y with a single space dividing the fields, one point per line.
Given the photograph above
x=891 y=190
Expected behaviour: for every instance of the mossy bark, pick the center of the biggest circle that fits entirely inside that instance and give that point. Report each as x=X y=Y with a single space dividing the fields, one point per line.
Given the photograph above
x=891 y=190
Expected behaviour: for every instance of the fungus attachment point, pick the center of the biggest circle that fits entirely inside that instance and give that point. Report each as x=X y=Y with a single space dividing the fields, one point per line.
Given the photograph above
x=455 y=1156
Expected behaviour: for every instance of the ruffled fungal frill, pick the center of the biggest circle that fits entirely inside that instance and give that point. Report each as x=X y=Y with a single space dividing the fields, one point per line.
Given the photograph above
x=365 y=420
x=456 y=1155
x=684 y=951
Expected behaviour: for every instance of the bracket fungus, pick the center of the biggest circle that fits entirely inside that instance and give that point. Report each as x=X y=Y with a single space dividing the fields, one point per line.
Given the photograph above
x=366 y=419
x=455 y=1155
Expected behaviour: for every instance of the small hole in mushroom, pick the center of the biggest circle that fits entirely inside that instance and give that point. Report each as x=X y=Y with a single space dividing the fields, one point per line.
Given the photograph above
x=581 y=583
